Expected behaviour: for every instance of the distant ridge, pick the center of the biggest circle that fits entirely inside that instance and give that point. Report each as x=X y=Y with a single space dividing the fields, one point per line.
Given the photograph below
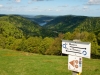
x=40 y=19
x=69 y=23
x=53 y=26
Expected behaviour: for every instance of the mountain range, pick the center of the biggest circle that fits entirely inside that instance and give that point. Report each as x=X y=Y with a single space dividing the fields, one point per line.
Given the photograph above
x=70 y=22
x=15 y=25
x=22 y=25
x=40 y=19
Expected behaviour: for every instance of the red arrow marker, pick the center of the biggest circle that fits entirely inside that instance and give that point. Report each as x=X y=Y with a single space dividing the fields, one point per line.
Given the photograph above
x=72 y=63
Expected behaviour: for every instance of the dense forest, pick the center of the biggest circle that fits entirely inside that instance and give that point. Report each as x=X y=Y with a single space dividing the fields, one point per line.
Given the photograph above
x=19 y=33
x=70 y=22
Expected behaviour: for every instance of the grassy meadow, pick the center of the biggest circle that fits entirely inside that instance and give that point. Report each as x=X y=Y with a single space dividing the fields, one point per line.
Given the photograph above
x=23 y=63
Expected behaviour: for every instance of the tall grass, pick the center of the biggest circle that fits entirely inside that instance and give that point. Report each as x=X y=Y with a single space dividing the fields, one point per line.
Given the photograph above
x=23 y=63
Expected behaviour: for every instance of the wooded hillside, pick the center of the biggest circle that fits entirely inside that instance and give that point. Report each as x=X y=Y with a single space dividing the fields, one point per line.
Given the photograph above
x=18 y=33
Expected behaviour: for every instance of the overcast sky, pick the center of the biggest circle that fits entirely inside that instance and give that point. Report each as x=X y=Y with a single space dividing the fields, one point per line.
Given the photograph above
x=51 y=7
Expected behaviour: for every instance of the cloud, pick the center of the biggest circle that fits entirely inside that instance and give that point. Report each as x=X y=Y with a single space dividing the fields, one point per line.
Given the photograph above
x=35 y=8
x=93 y=2
x=58 y=10
x=18 y=0
x=29 y=2
x=37 y=0
x=41 y=0
x=63 y=6
x=85 y=7
x=1 y=5
x=50 y=9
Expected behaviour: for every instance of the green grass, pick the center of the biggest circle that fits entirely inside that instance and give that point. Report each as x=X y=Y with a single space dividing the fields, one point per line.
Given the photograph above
x=23 y=63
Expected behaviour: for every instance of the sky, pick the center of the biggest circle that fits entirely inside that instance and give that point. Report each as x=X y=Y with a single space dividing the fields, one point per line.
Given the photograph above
x=51 y=7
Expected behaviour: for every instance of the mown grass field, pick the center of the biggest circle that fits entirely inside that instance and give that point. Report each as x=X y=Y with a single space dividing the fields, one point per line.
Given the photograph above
x=23 y=63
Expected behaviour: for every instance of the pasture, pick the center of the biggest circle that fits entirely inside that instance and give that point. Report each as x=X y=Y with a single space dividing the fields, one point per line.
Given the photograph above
x=23 y=63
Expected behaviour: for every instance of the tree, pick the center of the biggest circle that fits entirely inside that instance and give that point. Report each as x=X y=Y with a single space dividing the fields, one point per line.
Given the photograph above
x=94 y=45
x=16 y=43
x=33 y=44
x=84 y=35
x=68 y=36
x=45 y=44
x=22 y=45
x=9 y=41
x=55 y=48
x=76 y=34
x=2 y=41
x=98 y=38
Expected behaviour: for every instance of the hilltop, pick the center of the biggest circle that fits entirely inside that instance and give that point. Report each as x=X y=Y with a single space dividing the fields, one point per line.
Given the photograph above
x=15 y=24
x=69 y=23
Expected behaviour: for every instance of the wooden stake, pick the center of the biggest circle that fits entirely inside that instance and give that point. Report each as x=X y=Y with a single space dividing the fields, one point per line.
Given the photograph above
x=75 y=73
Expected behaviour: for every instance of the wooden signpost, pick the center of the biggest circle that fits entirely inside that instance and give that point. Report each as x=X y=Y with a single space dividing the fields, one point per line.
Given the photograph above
x=76 y=50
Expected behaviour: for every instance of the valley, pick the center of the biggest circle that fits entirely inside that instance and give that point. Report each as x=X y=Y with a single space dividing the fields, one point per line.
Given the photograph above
x=22 y=34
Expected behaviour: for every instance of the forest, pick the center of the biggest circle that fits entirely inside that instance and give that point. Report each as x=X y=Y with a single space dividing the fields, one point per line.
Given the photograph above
x=21 y=34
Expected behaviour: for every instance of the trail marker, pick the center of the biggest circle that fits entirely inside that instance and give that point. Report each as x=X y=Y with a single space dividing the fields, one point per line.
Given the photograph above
x=76 y=50
x=75 y=63
x=82 y=49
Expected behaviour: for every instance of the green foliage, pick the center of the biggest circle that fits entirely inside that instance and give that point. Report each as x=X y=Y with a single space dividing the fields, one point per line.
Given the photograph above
x=27 y=27
x=91 y=24
x=45 y=44
x=98 y=38
x=2 y=41
x=55 y=48
x=91 y=37
x=70 y=23
x=68 y=36
x=94 y=44
x=33 y=44
x=85 y=37
x=48 y=33
x=22 y=45
x=16 y=44
x=65 y=23
x=9 y=42
x=76 y=34
x=7 y=29
x=18 y=33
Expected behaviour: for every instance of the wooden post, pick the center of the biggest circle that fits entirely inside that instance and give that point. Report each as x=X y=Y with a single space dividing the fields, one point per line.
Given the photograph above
x=75 y=73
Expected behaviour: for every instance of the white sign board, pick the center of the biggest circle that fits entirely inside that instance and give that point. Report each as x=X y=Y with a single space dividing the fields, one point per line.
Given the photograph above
x=75 y=63
x=81 y=49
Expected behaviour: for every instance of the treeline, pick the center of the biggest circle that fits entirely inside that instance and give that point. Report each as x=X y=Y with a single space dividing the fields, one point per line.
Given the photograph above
x=50 y=45
x=47 y=45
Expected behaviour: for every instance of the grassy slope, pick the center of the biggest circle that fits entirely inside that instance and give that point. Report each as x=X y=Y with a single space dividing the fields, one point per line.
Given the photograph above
x=22 y=63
